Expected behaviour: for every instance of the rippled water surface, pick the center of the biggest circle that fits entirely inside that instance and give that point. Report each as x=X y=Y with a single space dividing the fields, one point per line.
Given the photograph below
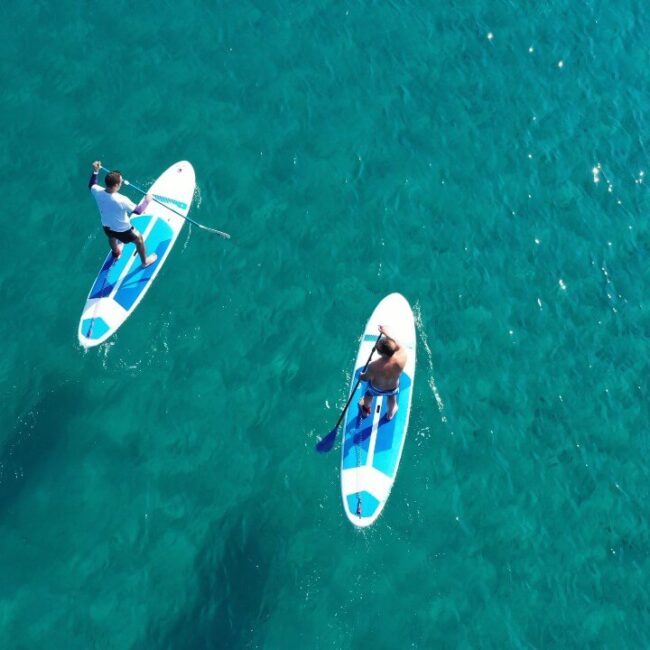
x=486 y=159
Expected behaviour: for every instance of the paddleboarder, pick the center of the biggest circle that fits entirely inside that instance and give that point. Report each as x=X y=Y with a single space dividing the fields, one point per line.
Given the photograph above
x=115 y=209
x=383 y=374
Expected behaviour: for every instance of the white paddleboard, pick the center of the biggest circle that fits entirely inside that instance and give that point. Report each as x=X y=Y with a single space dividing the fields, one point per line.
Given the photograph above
x=372 y=446
x=121 y=284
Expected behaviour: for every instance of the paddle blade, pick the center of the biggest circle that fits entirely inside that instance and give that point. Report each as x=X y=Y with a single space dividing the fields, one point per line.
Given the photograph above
x=326 y=443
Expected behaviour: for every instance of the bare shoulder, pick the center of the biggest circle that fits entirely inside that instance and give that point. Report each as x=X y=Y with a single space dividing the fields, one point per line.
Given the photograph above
x=373 y=365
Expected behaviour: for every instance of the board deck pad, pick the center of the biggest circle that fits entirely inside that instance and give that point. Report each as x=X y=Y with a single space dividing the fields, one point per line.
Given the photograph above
x=121 y=284
x=372 y=446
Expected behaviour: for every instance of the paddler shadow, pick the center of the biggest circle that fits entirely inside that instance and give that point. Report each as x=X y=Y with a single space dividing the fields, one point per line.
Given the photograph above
x=357 y=432
x=233 y=584
x=139 y=275
x=385 y=433
x=362 y=435
x=28 y=448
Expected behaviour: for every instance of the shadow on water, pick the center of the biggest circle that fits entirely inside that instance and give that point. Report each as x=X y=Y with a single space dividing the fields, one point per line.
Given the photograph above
x=233 y=600
x=28 y=447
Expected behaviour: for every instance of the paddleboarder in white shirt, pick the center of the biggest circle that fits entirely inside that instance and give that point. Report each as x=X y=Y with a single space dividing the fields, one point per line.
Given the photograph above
x=115 y=209
x=383 y=374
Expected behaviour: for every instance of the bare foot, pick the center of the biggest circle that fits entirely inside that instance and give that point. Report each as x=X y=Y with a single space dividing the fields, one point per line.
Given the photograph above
x=364 y=408
x=150 y=260
x=117 y=256
x=391 y=413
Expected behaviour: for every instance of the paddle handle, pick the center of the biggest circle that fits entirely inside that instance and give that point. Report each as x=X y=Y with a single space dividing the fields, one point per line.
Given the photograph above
x=225 y=235
x=354 y=390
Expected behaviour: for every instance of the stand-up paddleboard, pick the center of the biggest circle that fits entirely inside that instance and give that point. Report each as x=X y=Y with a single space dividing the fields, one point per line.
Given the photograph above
x=372 y=446
x=121 y=284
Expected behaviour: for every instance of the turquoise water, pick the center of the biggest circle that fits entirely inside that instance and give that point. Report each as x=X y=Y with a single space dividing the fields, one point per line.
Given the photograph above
x=162 y=490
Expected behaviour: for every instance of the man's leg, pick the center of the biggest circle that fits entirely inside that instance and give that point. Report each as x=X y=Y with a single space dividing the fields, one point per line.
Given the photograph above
x=392 y=407
x=115 y=246
x=365 y=403
x=139 y=244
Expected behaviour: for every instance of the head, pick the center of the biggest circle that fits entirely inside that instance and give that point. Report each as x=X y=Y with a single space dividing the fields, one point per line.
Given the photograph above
x=386 y=347
x=113 y=180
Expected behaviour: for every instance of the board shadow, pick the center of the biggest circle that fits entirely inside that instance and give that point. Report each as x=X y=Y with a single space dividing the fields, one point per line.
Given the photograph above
x=232 y=600
x=25 y=453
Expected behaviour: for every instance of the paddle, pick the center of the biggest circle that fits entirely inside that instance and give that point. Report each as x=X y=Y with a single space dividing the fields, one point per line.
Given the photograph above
x=326 y=443
x=225 y=235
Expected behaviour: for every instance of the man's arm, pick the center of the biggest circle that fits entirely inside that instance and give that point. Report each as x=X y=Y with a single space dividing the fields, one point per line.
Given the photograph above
x=386 y=335
x=369 y=373
x=93 y=178
x=400 y=351
x=142 y=206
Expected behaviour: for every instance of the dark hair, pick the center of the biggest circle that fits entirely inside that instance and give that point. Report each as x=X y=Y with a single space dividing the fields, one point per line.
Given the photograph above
x=386 y=347
x=113 y=178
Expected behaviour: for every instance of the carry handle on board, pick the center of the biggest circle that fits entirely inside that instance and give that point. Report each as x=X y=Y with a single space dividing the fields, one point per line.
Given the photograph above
x=328 y=441
x=225 y=235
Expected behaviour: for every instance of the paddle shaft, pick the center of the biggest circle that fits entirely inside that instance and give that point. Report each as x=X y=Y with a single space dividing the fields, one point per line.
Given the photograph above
x=225 y=235
x=354 y=390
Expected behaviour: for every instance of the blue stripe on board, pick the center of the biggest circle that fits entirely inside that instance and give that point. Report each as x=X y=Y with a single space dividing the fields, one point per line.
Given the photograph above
x=390 y=433
x=99 y=327
x=166 y=199
x=110 y=272
x=135 y=282
x=370 y=337
x=368 y=504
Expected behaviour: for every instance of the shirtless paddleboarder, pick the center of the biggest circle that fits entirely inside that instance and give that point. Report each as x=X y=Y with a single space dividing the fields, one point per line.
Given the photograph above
x=383 y=374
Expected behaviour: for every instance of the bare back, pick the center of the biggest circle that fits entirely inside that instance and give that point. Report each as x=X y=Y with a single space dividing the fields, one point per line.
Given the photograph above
x=384 y=372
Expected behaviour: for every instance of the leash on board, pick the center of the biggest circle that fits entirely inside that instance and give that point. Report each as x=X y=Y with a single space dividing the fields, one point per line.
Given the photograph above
x=358 y=457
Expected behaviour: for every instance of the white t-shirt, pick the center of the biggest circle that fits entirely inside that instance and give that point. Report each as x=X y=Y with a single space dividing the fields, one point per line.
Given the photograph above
x=114 y=208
